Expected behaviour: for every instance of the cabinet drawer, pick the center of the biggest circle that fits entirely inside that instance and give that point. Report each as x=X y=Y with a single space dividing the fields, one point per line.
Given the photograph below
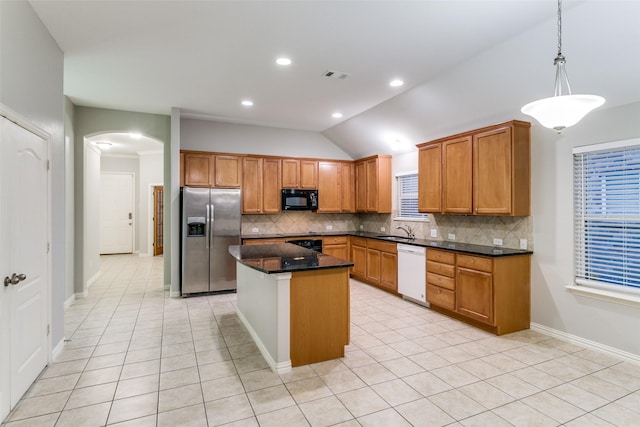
x=382 y=246
x=359 y=241
x=334 y=240
x=441 y=297
x=442 y=281
x=475 y=263
x=441 y=256
x=440 y=268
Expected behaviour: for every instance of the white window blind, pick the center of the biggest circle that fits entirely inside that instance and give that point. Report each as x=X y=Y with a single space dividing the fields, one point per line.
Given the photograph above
x=607 y=214
x=408 y=197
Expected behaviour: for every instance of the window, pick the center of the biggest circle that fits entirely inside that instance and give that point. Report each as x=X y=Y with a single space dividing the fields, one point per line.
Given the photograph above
x=408 y=197
x=607 y=215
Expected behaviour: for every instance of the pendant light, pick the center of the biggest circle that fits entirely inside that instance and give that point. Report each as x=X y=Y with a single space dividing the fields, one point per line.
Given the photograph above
x=563 y=109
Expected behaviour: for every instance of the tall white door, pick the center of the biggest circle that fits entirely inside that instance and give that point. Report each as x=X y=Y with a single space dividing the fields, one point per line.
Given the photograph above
x=23 y=261
x=116 y=213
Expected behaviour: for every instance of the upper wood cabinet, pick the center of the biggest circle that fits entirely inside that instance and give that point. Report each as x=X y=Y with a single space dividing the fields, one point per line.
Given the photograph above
x=297 y=173
x=181 y=169
x=227 y=171
x=260 y=185
x=335 y=187
x=373 y=184
x=211 y=170
x=482 y=172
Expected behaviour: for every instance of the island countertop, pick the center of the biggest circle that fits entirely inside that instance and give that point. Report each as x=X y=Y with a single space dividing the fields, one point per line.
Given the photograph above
x=284 y=258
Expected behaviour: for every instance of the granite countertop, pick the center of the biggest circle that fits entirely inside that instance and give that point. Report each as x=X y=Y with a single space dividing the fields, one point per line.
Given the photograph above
x=446 y=245
x=284 y=258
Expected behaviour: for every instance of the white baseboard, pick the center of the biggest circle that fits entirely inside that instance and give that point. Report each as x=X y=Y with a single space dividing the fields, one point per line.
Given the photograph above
x=278 y=368
x=57 y=349
x=69 y=302
x=592 y=345
x=144 y=254
x=93 y=279
x=174 y=294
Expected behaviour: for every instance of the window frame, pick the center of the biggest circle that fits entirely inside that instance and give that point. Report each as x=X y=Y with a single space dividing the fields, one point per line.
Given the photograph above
x=399 y=196
x=618 y=293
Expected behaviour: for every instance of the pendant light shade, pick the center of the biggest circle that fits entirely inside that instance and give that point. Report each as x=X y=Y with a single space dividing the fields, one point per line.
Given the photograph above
x=561 y=111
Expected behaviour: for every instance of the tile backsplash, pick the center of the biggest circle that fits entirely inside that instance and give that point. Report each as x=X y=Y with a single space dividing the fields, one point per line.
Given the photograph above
x=479 y=230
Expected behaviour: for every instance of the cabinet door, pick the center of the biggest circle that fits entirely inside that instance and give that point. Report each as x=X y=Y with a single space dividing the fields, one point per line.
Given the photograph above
x=492 y=172
x=457 y=169
x=181 y=169
x=251 y=185
x=290 y=173
x=359 y=259
x=430 y=179
x=347 y=188
x=227 y=171
x=373 y=265
x=198 y=170
x=308 y=174
x=372 y=185
x=389 y=270
x=474 y=294
x=328 y=187
x=271 y=187
x=361 y=186
x=338 y=251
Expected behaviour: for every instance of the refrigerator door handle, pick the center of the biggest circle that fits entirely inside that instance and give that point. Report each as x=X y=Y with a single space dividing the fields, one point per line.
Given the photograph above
x=207 y=228
x=211 y=219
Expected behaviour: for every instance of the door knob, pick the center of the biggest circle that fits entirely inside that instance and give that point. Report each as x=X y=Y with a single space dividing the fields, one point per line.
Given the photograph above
x=14 y=279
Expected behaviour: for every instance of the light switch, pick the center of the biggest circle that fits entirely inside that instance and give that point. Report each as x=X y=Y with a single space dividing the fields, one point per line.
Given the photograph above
x=523 y=244
x=383 y=229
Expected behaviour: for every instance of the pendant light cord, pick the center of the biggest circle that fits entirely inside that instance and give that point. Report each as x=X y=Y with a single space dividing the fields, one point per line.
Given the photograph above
x=559 y=27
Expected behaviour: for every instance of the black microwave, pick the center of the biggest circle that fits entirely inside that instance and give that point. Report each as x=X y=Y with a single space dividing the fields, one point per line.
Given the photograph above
x=299 y=200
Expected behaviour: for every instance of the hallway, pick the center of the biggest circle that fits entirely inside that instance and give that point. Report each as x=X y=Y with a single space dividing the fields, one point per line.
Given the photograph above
x=139 y=358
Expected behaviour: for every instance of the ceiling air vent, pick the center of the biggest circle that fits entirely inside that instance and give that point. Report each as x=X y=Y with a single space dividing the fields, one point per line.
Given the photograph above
x=335 y=74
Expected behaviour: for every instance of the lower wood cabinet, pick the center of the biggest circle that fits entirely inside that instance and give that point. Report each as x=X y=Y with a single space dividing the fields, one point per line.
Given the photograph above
x=491 y=293
x=375 y=262
x=337 y=246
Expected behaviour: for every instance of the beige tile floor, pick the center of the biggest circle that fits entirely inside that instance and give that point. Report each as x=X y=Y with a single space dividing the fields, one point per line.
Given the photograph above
x=139 y=358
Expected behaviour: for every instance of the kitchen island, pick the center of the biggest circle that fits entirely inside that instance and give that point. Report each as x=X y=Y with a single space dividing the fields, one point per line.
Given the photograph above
x=294 y=302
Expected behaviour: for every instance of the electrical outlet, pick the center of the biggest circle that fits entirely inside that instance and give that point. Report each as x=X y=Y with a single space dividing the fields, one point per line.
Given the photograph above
x=434 y=232
x=255 y=230
x=523 y=244
x=329 y=227
x=497 y=242
x=361 y=227
x=451 y=236
x=383 y=229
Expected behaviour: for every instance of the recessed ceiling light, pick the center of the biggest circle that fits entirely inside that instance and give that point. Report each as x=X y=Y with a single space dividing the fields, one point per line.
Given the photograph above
x=336 y=115
x=396 y=83
x=135 y=135
x=247 y=103
x=283 y=61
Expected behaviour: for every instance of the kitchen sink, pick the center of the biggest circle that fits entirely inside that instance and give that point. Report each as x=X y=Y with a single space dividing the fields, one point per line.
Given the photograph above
x=396 y=238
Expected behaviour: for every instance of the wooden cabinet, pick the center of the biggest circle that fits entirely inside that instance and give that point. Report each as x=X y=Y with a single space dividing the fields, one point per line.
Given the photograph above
x=376 y=262
x=483 y=172
x=430 y=178
x=198 y=169
x=335 y=187
x=359 y=257
x=441 y=284
x=337 y=246
x=227 y=171
x=457 y=167
x=373 y=184
x=201 y=169
x=297 y=173
x=260 y=185
x=181 y=170
x=491 y=293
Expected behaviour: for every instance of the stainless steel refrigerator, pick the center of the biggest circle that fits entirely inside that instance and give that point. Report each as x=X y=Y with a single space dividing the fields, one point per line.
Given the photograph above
x=210 y=224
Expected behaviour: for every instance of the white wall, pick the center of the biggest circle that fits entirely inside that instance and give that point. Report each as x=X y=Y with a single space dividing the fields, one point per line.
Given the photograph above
x=91 y=208
x=151 y=173
x=247 y=139
x=31 y=72
x=69 y=182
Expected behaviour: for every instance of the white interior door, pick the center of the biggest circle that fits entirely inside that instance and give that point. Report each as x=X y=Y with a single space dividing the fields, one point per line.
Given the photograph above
x=116 y=213
x=23 y=261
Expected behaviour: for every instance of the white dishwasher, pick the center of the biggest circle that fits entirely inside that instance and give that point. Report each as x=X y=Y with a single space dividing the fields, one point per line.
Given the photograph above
x=412 y=272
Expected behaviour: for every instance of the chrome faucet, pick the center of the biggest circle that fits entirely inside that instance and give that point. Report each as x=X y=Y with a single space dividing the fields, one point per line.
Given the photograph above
x=407 y=230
